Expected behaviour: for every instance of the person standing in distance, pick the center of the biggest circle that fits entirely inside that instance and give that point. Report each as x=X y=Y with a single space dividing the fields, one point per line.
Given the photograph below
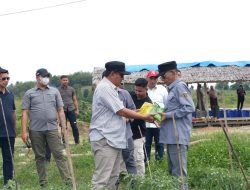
x=70 y=107
x=176 y=123
x=157 y=93
x=240 y=97
x=7 y=125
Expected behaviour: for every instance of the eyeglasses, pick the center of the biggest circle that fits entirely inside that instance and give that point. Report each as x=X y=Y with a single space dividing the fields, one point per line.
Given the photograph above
x=121 y=74
x=163 y=76
x=5 y=78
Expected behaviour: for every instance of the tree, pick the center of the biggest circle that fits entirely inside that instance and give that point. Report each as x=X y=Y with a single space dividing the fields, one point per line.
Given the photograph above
x=246 y=86
x=222 y=86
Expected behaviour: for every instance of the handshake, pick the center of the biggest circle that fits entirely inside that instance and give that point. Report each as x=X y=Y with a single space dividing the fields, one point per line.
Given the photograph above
x=155 y=110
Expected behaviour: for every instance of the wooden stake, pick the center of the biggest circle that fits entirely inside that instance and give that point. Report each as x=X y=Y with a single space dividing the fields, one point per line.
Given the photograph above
x=65 y=133
x=226 y=128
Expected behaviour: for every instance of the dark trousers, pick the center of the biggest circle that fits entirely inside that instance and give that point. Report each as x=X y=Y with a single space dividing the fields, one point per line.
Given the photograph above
x=215 y=112
x=70 y=115
x=240 y=102
x=128 y=157
x=6 y=155
x=159 y=147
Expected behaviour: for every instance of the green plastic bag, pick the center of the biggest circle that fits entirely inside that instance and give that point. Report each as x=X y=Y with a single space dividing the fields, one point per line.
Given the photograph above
x=154 y=108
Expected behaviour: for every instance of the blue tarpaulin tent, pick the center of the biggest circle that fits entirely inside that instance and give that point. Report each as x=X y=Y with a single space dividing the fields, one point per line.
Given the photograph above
x=137 y=68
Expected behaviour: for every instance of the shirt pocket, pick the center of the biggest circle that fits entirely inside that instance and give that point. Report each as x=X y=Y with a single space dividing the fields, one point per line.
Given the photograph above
x=172 y=101
x=36 y=99
x=51 y=99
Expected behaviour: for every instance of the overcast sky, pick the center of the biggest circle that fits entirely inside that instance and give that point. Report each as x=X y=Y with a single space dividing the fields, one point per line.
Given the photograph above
x=84 y=35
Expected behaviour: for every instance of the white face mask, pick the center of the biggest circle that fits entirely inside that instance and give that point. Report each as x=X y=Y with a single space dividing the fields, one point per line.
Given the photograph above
x=45 y=81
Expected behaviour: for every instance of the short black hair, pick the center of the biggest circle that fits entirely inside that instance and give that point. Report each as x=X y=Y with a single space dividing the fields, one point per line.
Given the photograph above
x=64 y=76
x=141 y=82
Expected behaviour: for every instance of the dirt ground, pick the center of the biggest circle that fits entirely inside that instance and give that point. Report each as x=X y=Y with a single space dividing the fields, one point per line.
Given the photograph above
x=205 y=130
x=83 y=129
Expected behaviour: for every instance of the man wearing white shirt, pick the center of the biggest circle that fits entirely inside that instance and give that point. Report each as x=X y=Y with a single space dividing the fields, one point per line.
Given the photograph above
x=157 y=93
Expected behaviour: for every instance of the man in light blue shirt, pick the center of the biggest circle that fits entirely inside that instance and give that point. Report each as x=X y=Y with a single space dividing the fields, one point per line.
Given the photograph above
x=177 y=121
x=107 y=132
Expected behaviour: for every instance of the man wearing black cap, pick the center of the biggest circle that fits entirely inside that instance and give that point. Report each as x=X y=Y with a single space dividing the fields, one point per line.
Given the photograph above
x=41 y=105
x=7 y=125
x=107 y=132
x=176 y=121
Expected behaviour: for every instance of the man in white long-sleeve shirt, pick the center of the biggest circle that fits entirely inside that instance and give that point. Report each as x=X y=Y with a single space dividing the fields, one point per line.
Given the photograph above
x=156 y=93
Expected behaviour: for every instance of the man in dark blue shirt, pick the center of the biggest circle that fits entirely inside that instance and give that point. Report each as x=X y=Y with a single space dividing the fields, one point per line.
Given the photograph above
x=7 y=125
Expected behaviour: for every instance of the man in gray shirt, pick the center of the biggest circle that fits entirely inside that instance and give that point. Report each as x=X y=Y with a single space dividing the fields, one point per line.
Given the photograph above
x=128 y=153
x=70 y=105
x=107 y=132
x=41 y=105
x=176 y=123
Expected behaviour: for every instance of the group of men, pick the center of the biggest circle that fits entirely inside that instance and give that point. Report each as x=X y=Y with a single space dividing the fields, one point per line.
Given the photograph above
x=43 y=108
x=117 y=130
x=112 y=119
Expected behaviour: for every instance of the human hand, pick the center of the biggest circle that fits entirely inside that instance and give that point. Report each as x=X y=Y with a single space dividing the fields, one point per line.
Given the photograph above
x=149 y=118
x=77 y=112
x=163 y=116
x=25 y=136
x=157 y=124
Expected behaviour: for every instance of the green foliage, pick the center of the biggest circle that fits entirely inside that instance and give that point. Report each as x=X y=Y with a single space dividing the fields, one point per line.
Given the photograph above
x=221 y=86
x=85 y=111
x=215 y=151
x=10 y=185
x=158 y=182
x=77 y=80
x=209 y=163
x=85 y=93
x=208 y=167
x=20 y=88
x=230 y=97
x=211 y=178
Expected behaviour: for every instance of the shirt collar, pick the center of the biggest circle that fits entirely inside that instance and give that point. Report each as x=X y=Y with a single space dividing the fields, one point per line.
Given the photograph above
x=171 y=86
x=153 y=88
x=64 y=87
x=5 y=91
x=37 y=88
x=110 y=83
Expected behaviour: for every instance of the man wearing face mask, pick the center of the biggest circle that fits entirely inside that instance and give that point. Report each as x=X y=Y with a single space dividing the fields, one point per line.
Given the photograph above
x=41 y=105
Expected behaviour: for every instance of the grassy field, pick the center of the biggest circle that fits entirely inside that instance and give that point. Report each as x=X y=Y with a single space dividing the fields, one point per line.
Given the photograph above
x=208 y=164
x=230 y=99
